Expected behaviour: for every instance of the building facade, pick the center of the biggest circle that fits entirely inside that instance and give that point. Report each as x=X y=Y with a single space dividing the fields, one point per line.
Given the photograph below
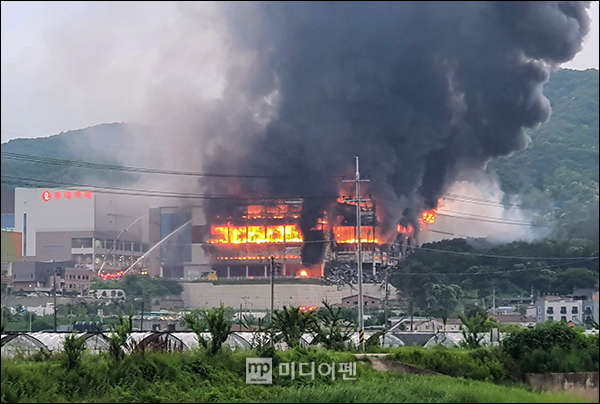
x=559 y=309
x=92 y=229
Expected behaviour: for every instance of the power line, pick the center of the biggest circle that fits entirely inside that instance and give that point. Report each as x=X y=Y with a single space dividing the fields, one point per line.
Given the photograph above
x=103 y=145
x=441 y=212
x=172 y=194
x=502 y=256
x=151 y=193
x=138 y=192
x=585 y=258
x=101 y=166
x=480 y=201
x=495 y=272
x=490 y=219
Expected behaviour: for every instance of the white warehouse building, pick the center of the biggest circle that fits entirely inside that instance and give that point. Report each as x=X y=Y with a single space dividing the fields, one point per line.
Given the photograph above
x=81 y=225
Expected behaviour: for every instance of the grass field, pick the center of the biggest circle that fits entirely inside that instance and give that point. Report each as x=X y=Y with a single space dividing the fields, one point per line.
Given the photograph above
x=198 y=377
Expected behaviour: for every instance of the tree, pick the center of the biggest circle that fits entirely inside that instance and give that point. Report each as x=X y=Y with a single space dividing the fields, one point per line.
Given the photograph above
x=118 y=337
x=213 y=320
x=331 y=329
x=218 y=326
x=474 y=328
x=552 y=346
x=442 y=295
x=261 y=335
x=574 y=278
x=74 y=347
x=292 y=323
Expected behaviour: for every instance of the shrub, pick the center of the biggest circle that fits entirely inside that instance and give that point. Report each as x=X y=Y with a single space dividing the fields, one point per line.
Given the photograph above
x=74 y=347
x=552 y=347
x=487 y=364
x=217 y=324
x=118 y=337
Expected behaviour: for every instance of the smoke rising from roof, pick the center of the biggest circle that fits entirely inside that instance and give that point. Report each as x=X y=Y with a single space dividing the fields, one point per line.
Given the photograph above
x=420 y=91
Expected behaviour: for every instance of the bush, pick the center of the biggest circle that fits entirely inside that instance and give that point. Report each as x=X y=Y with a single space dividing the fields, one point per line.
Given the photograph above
x=553 y=347
x=487 y=364
x=74 y=347
x=198 y=376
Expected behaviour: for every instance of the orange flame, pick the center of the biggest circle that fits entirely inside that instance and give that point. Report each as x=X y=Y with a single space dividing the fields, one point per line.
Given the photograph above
x=347 y=234
x=112 y=276
x=428 y=216
x=255 y=234
x=303 y=273
x=403 y=229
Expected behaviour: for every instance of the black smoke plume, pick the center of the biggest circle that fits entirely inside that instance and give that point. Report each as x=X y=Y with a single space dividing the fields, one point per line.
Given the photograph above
x=420 y=91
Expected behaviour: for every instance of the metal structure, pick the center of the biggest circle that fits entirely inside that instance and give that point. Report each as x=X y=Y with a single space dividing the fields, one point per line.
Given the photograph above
x=361 y=325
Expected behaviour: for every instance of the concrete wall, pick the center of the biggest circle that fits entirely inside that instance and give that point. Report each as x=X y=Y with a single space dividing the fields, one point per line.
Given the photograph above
x=258 y=296
x=584 y=384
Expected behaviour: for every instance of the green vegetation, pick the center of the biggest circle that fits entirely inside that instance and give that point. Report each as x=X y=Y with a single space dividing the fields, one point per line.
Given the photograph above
x=291 y=323
x=197 y=376
x=331 y=329
x=94 y=144
x=424 y=273
x=118 y=336
x=74 y=347
x=140 y=286
x=484 y=364
x=213 y=321
x=549 y=347
x=474 y=328
x=557 y=175
x=553 y=347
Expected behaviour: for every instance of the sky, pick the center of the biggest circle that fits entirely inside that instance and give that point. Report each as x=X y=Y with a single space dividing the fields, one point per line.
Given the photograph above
x=70 y=65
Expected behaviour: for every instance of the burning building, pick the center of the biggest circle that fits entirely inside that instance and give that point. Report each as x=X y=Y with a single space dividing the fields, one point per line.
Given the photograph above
x=238 y=240
x=313 y=84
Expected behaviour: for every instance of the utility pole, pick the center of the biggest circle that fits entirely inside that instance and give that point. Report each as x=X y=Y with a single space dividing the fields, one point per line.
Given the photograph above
x=55 y=274
x=361 y=328
x=272 y=265
x=494 y=300
x=385 y=305
x=142 y=318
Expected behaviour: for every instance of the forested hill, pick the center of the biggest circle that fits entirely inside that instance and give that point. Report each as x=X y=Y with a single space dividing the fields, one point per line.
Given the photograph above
x=557 y=175
x=109 y=143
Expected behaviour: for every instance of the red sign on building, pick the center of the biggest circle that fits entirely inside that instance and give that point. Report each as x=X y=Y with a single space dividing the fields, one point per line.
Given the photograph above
x=47 y=195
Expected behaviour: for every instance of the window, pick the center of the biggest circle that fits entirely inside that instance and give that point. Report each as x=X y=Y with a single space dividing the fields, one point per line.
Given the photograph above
x=563 y=310
x=539 y=309
x=81 y=242
x=550 y=310
x=575 y=318
x=551 y=318
x=563 y=318
x=574 y=310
